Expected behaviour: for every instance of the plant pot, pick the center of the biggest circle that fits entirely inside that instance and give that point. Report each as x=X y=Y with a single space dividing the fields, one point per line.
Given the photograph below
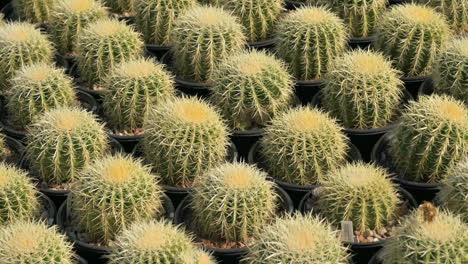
x=398 y=2
x=233 y=255
x=66 y=61
x=412 y=84
x=82 y=260
x=83 y=86
x=362 y=43
x=420 y=191
x=268 y=44
x=377 y=258
x=128 y=143
x=17 y=151
x=426 y=88
x=49 y=206
x=244 y=140
x=306 y=90
x=292 y=5
x=157 y=51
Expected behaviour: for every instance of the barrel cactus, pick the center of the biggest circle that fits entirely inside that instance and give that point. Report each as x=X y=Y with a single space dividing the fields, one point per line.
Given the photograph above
x=454 y=193
x=412 y=36
x=197 y=256
x=455 y=11
x=4 y=148
x=202 y=37
x=250 y=88
x=2 y=19
x=432 y=137
x=308 y=39
x=35 y=11
x=363 y=90
x=121 y=6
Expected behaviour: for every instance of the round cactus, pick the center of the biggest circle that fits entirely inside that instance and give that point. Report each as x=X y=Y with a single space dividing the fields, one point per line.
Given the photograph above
x=69 y=17
x=455 y=11
x=183 y=138
x=4 y=149
x=302 y=145
x=231 y=202
x=197 y=257
x=155 y=19
x=121 y=6
x=202 y=37
x=36 y=89
x=104 y=44
x=454 y=193
x=35 y=11
x=61 y=142
x=363 y=91
x=297 y=239
x=250 y=88
x=432 y=137
x=21 y=44
x=131 y=192
x=309 y=38
x=412 y=36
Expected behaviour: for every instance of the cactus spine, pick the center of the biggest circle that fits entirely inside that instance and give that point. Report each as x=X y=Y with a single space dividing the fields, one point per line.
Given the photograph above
x=455 y=11
x=454 y=193
x=197 y=256
x=4 y=149
x=121 y=6
x=35 y=11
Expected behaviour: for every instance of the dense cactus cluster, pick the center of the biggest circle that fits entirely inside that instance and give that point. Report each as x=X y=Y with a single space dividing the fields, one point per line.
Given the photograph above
x=35 y=11
x=455 y=11
x=454 y=193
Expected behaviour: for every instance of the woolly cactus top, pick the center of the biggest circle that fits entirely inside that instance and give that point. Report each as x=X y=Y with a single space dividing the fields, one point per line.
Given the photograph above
x=197 y=257
x=20 y=32
x=70 y=120
x=10 y=175
x=364 y=62
x=459 y=46
x=307 y=16
x=107 y=28
x=360 y=175
x=305 y=120
x=417 y=14
x=138 y=69
x=40 y=72
x=77 y=6
x=190 y=112
x=440 y=108
x=209 y=17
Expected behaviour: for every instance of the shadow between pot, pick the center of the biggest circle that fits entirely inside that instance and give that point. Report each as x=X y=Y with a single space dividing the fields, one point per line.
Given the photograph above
x=412 y=84
x=292 y=5
x=426 y=88
x=267 y=44
x=157 y=51
x=377 y=258
x=362 y=43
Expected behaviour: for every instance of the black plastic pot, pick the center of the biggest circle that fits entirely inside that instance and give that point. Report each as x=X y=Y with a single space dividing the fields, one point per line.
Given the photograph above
x=128 y=142
x=17 y=148
x=8 y=11
x=227 y=256
x=66 y=61
x=426 y=88
x=291 y=4
x=377 y=258
x=420 y=191
x=82 y=260
x=244 y=140
x=83 y=86
x=398 y=2
x=50 y=207
x=362 y=43
x=412 y=84
x=263 y=45
x=157 y=51
x=306 y=90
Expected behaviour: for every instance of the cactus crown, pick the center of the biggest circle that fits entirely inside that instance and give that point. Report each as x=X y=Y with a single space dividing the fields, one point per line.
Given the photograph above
x=197 y=256
x=35 y=11
x=454 y=193
x=455 y=11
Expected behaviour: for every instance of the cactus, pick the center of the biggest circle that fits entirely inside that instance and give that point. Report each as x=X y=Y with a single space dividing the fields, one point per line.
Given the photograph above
x=4 y=149
x=308 y=39
x=129 y=189
x=104 y=44
x=69 y=17
x=302 y=145
x=61 y=142
x=454 y=193
x=121 y=6
x=361 y=193
x=35 y=11
x=183 y=138
x=31 y=242
x=412 y=36
x=455 y=11
x=197 y=256
x=21 y=44
x=202 y=37
x=233 y=201
x=133 y=88
x=155 y=19
x=297 y=239
x=431 y=138
x=2 y=19
x=363 y=91
x=250 y=88
x=36 y=89
x=18 y=197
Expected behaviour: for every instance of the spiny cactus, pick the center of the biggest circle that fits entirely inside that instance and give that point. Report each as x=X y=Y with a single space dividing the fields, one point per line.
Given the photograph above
x=131 y=192
x=69 y=17
x=4 y=149
x=121 y=6
x=302 y=145
x=36 y=89
x=297 y=239
x=133 y=88
x=412 y=36
x=183 y=138
x=455 y=11
x=233 y=201
x=431 y=138
x=250 y=88
x=61 y=142
x=35 y=11
x=454 y=193
x=2 y=19
x=202 y=37
x=309 y=38
x=197 y=256
x=21 y=44
x=103 y=44
x=155 y=19
x=363 y=91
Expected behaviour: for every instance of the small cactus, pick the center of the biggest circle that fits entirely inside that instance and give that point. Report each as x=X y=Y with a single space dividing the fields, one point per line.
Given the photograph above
x=308 y=39
x=363 y=91
x=302 y=145
x=36 y=89
x=454 y=193
x=250 y=88
x=69 y=17
x=412 y=36
x=183 y=138
x=129 y=189
x=455 y=11
x=133 y=88
x=202 y=37
x=35 y=11
x=431 y=138
x=104 y=44
x=61 y=142
x=297 y=239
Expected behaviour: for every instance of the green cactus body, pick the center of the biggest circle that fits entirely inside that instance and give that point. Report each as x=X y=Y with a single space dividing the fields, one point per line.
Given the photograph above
x=454 y=193
x=361 y=193
x=231 y=202
x=297 y=239
x=35 y=11
x=412 y=36
x=4 y=149
x=308 y=39
x=21 y=44
x=104 y=44
x=250 y=88
x=36 y=89
x=31 y=242
x=183 y=138
x=431 y=138
x=455 y=11
x=61 y=142
x=69 y=17
x=202 y=37
x=302 y=145
x=2 y=19
x=197 y=256
x=121 y=6
x=363 y=91
x=155 y=19
x=112 y=193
